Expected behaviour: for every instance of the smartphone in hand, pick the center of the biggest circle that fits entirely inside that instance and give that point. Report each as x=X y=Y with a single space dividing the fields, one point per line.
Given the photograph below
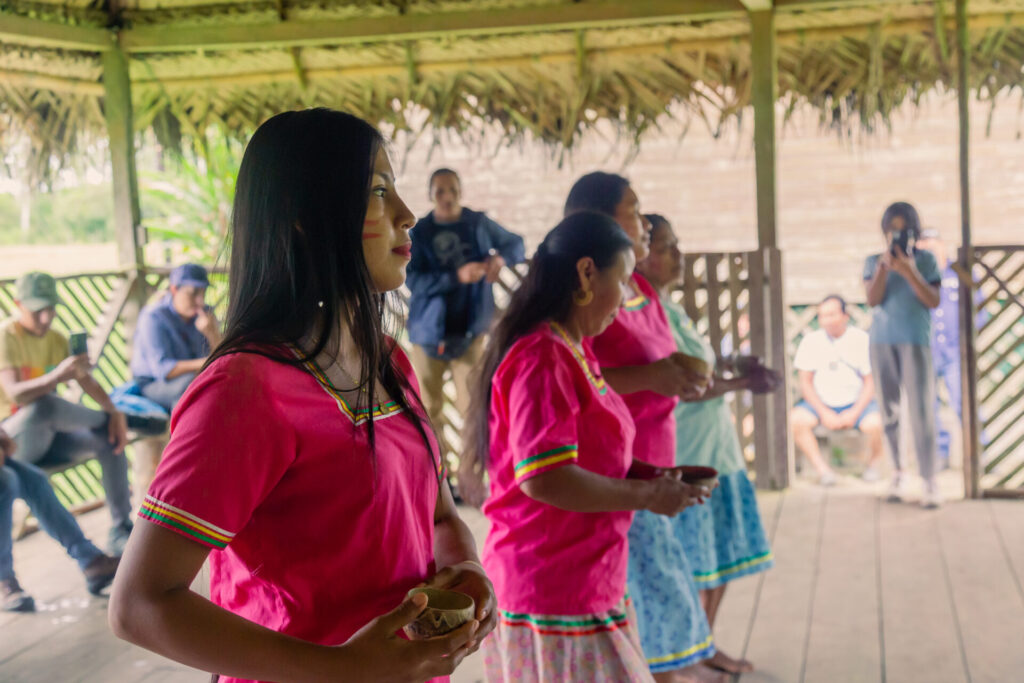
x=78 y=344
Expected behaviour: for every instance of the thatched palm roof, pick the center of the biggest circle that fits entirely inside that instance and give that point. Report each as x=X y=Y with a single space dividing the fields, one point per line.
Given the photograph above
x=550 y=68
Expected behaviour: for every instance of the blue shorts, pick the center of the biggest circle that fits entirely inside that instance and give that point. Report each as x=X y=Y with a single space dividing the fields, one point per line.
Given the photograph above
x=870 y=408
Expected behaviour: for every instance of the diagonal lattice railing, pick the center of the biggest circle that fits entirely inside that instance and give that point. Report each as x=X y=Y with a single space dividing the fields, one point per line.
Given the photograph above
x=999 y=281
x=715 y=292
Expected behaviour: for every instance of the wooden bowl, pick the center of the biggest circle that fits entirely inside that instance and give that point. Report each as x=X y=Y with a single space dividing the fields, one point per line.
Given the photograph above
x=445 y=612
x=697 y=475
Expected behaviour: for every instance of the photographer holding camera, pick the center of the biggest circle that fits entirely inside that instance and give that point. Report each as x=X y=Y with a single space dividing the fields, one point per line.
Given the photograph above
x=902 y=286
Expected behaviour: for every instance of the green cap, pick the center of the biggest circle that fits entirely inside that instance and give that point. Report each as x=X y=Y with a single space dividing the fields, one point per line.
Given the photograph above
x=37 y=291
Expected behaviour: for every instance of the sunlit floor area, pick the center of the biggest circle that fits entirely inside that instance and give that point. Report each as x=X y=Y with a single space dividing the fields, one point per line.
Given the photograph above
x=862 y=590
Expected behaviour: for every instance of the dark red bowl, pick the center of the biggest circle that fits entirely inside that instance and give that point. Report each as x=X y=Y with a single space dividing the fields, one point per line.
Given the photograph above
x=697 y=474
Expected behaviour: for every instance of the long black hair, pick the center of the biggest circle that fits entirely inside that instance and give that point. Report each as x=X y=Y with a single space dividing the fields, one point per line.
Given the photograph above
x=545 y=294
x=597 y=191
x=297 y=266
x=908 y=213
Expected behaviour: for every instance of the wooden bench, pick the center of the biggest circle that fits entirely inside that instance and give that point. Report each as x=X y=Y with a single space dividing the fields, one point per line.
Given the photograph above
x=78 y=483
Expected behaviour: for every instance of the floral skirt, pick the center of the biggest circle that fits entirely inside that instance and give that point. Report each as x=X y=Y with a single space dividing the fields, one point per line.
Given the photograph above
x=558 y=648
x=724 y=538
x=674 y=630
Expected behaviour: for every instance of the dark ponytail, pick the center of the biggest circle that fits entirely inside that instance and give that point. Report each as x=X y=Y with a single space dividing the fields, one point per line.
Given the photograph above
x=544 y=295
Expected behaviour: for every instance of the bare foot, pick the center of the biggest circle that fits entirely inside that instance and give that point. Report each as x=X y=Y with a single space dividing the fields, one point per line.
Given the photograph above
x=724 y=662
x=698 y=673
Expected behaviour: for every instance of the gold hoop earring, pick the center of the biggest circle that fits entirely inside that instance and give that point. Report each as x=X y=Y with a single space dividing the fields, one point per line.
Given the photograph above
x=584 y=298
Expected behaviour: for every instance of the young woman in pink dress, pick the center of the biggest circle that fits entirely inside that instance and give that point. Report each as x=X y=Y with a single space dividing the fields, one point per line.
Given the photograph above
x=301 y=455
x=558 y=445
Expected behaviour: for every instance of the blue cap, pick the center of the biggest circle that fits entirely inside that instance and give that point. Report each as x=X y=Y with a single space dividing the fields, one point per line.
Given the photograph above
x=190 y=275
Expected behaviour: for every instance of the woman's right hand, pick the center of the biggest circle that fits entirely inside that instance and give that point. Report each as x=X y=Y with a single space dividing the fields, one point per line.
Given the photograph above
x=376 y=652
x=668 y=495
x=669 y=378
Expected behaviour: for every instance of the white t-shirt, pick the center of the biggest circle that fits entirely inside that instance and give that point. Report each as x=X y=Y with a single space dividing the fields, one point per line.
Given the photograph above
x=839 y=365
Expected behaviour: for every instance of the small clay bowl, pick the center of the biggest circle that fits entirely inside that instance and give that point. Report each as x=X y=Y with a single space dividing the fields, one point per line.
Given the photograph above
x=445 y=612
x=697 y=475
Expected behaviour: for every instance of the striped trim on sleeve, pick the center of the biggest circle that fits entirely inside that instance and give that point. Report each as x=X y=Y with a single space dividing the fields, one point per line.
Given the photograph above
x=184 y=523
x=542 y=462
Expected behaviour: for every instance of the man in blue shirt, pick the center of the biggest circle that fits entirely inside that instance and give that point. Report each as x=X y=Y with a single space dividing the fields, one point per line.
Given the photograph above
x=457 y=254
x=174 y=336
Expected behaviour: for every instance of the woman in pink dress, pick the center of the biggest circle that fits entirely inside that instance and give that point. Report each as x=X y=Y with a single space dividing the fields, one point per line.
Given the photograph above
x=301 y=455
x=557 y=443
x=638 y=354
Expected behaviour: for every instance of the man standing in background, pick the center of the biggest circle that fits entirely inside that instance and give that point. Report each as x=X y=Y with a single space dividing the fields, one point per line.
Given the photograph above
x=457 y=254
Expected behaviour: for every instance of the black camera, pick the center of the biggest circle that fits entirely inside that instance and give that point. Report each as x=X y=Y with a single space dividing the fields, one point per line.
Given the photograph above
x=901 y=239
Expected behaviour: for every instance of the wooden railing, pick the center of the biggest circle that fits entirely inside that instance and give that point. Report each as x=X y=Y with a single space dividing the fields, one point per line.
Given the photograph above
x=716 y=293
x=998 y=288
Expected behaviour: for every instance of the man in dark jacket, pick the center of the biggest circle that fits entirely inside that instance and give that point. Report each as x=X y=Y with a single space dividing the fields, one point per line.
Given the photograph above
x=457 y=254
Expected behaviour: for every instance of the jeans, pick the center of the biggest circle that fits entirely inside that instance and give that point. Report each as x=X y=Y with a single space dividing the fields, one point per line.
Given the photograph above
x=168 y=392
x=18 y=480
x=430 y=373
x=56 y=431
x=907 y=368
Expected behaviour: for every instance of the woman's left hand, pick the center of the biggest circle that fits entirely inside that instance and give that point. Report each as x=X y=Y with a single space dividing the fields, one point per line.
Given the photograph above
x=470 y=578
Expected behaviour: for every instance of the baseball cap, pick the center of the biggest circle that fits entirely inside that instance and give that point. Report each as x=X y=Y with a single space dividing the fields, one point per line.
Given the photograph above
x=190 y=275
x=37 y=291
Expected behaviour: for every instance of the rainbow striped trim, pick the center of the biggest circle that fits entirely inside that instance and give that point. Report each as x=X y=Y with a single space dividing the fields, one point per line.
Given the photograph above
x=360 y=416
x=636 y=303
x=546 y=459
x=189 y=525
x=596 y=380
x=678 y=660
x=554 y=626
x=738 y=566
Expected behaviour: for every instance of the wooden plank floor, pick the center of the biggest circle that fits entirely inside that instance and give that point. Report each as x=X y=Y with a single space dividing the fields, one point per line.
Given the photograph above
x=862 y=590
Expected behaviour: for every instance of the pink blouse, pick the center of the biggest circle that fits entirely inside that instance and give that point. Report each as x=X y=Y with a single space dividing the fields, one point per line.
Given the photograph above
x=315 y=534
x=551 y=408
x=640 y=335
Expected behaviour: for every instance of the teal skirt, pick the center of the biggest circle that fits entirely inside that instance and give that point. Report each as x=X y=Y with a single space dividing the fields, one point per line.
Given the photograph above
x=673 y=628
x=724 y=538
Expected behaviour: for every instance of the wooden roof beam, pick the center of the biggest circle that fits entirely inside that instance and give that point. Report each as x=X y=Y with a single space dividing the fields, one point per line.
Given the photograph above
x=38 y=33
x=581 y=15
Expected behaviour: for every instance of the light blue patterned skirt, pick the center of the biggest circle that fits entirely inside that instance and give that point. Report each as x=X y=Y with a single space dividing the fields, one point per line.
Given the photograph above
x=674 y=630
x=724 y=538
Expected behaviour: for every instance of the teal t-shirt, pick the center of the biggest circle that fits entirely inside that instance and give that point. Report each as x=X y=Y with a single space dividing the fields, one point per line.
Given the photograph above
x=705 y=433
x=901 y=318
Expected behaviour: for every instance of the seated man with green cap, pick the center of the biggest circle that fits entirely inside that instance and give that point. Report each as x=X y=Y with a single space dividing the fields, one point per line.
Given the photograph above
x=34 y=360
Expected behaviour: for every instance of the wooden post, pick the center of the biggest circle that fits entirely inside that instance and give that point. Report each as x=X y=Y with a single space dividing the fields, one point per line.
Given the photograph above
x=764 y=75
x=117 y=109
x=968 y=334
x=768 y=309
